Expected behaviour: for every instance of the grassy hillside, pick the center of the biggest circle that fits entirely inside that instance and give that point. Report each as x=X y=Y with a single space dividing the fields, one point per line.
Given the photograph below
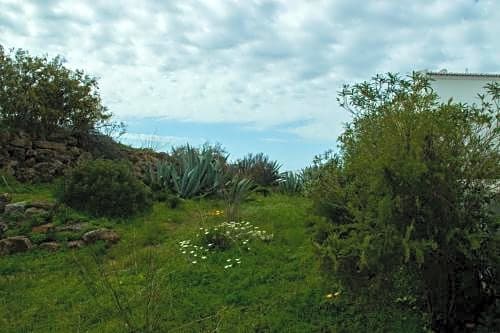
x=146 y=282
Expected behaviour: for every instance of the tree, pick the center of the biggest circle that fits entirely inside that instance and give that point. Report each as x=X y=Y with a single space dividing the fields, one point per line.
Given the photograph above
x=40 y=95
x=415 y=186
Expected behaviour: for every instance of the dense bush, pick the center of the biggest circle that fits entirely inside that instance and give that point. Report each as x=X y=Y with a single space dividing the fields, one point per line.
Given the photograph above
x=105 y=188
x=412 y=191
x=40 y=96
x=259 y=168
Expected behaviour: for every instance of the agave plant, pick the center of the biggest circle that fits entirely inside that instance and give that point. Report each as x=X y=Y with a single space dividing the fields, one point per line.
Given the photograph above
x=235 y=192
x=192 y=173
x=259 y=168
x=291 y=182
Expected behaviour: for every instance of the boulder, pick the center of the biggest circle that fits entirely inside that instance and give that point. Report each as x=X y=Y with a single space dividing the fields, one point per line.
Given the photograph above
x=33 y=211
x=14 y=244
x=43 y=229
x=16 y=208
x=76 y=244
x=45 y=205
x=4 y=200
x=50 y=246
x=3 y=227
x=76 y=227
x=107 y=235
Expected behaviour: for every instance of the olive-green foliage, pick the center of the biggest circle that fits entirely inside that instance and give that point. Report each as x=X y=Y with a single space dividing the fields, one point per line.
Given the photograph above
x=190 y=173
x=259 y=168
x=40 y=96
x=291 y=182
x=413 y=189
x=105 y=188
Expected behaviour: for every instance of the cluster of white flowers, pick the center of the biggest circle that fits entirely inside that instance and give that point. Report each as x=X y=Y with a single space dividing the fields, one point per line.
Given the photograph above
x=224 y=235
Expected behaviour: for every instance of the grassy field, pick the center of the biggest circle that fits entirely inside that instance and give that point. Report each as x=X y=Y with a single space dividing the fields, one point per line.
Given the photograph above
x=145 y=283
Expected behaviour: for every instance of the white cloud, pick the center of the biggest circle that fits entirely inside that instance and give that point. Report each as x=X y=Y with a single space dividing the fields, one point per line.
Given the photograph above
x=261 y=63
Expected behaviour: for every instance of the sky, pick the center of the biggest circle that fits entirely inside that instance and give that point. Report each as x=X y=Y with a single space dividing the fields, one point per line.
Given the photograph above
x=252 y=75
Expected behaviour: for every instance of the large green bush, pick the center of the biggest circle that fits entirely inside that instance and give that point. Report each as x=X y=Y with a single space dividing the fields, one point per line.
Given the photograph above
x=105 y=188
x=412 y=191
x=41 y=96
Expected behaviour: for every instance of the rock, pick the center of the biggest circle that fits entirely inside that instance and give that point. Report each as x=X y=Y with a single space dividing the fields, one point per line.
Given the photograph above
x=77 y=244
x=47 y=170
x=25 y=174
x=3 y=227
x=33 y=211
x=17 y=207
x=14 y=244
x=107 y=235
x=4 y=200
x=50 y=246
x=60 y=147
x=45 y=205
x=30 y=162
x=18 y=153
x=74 y=227
x=43 y=229
x=20 y=141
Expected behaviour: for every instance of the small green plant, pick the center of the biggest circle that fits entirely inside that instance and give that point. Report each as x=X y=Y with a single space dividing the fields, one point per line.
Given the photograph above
x=235 y=192
x=105 y=188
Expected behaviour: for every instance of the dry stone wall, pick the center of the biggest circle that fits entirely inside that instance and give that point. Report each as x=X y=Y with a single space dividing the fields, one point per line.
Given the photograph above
x=35 y=160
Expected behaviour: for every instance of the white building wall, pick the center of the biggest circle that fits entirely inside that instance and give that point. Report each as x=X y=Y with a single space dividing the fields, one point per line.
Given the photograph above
x=461 y=88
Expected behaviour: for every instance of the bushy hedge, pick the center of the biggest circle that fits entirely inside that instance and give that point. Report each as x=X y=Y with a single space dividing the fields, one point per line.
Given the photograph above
x=39 y=95
x=413 y=190
x=105 y=188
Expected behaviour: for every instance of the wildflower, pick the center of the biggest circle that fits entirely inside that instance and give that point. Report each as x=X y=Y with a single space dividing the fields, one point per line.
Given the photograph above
x=228 y=260
x=337 y=294
x=228 y=266
x=329 y=296
x=183 y=252
x=194 y=262
x=203 y=257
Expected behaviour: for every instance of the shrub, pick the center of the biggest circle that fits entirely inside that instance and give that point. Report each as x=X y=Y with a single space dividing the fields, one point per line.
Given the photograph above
x=40 y=96
x=105 y=188
x=258 y=168
x=413 y=189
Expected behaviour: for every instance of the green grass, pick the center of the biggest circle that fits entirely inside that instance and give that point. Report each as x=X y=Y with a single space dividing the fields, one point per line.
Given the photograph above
x=277 y=288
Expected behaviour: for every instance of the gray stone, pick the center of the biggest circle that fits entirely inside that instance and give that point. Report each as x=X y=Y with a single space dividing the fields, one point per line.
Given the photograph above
x=4 y=200
x=107 y=235
x=76 y=244
x=45 y=205
x=16 y=208
x=14 y=244
x=76 y=227
x=60 y=147
x=50 y=246
x=3 y=227
x=43 y=229
x=33 y=211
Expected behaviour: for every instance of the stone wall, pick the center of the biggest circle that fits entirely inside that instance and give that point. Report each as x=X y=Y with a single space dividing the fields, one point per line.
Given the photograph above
x=36 y=160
